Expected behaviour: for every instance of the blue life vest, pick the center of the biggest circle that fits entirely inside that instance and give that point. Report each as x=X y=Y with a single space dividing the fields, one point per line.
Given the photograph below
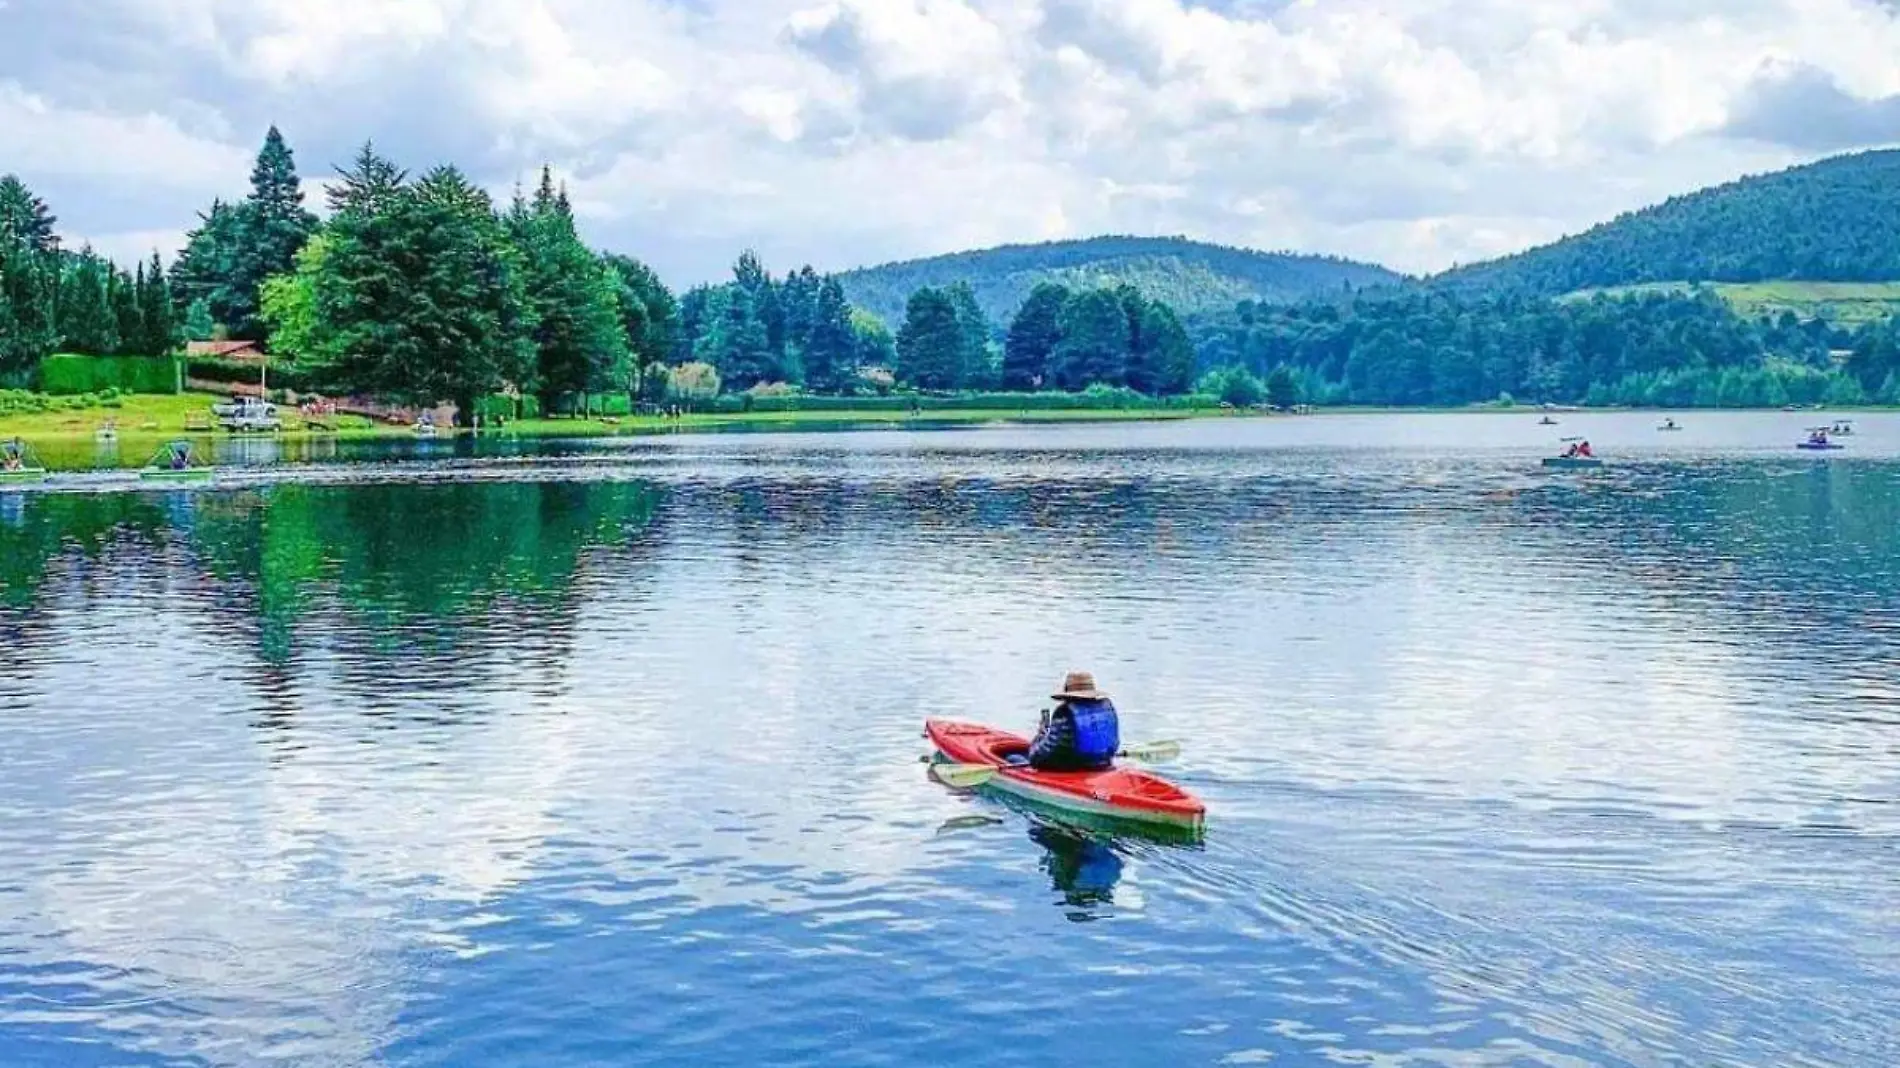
x=1098 y=734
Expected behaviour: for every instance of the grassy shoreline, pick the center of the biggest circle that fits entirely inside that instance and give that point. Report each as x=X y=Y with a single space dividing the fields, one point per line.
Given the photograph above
x=144 y=422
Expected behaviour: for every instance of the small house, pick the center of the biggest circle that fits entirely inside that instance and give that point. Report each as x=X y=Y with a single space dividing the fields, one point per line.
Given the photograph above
x=241 y=351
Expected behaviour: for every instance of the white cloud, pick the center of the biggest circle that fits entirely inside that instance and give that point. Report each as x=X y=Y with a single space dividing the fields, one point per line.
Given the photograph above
x=1417 y=132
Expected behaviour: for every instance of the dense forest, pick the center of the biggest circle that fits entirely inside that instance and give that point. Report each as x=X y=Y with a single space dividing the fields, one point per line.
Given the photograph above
x=1190 y=276
x=56 y=299
x=422 y=288
x=1836 y=220
x=1425 y=348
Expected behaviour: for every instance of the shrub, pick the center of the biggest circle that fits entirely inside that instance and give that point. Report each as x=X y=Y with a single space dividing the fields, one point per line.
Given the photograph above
x=692 y=383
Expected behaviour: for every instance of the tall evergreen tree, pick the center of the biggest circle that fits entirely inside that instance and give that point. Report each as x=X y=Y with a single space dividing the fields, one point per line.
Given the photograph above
x=739 y=346
x=830 y=345
x=1161 y=357
x=128 y=318
x=798 y=296
x=649 y=316
x=1094 y=345
x=579 y=337
x=1033 y=336
x=203 y=271
x=24 y=218
x=932 y=345
x=86 y=321
x=156 y=314
x=273 y=225
x=979 y=372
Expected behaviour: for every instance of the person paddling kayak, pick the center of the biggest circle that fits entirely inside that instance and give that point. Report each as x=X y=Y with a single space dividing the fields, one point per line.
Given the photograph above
x=1082 y=733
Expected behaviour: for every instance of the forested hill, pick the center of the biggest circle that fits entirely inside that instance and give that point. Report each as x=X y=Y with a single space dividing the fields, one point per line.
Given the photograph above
x=1836 y=220
x=1191 y=276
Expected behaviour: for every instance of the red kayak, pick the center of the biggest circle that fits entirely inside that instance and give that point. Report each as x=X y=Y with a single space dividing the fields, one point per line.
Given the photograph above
x=1125 y=794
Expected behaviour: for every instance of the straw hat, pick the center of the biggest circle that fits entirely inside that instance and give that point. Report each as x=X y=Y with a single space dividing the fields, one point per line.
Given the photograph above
x=1079 y=686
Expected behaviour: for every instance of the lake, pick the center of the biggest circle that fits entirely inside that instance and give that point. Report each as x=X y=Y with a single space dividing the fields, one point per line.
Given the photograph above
x=608 y=752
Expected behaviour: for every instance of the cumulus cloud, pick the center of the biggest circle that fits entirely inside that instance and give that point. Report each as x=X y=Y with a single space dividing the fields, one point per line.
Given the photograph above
x=1415 y=132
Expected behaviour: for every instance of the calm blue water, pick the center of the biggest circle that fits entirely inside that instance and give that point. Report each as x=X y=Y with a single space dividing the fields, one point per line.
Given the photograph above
x=609 y=756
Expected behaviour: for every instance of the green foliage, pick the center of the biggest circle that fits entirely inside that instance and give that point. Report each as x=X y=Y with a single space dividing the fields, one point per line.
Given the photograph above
x=872 y=343
x=1033 y=336
x=1836 y=220
x=1190 y=276
x=1161 y=358
x=237 y=247
x=73 y=374
x=199 y=326
x=1095 y=341
x=692 y=384
x=573 y=299
x=86 y=321
x=933 y=348
x=25 y=221
x=649 y=316
x=1282 y=389
x=288 y=304
x=1233 y=385
x=1097 y=398
x=417 y=290
x=1428 y=348
x=831 y=343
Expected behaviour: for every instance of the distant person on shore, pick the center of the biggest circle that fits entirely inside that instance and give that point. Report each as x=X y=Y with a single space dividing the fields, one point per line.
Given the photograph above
x=1083 y=731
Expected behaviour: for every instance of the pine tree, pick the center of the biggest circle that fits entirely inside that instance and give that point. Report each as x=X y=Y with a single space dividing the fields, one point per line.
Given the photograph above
x=86 y=322
x=1033 y=336
x=28 y=305
x=369 y=185
x=203 y=270
x=830 y=345
x=979 y=371
x=24 y=218
x=574 y=300
x=128 y=318
x=1161 y=357
x=932 y=345
x=1094 y=345
x=272 y=224
x=155 y=311
x=739 y=346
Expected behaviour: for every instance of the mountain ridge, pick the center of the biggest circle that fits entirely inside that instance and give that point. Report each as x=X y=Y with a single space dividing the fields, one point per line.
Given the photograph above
x=1193 y=276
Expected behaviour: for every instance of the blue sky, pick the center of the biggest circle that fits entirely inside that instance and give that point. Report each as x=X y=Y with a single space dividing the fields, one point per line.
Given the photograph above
x=1418 y=133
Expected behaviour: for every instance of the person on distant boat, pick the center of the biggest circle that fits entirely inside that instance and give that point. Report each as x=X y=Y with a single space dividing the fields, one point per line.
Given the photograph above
x=12 y=455
x=1583 y=450
x=1570 y=451
x=1082 y=733
x=1818 y=437
x=181 y=457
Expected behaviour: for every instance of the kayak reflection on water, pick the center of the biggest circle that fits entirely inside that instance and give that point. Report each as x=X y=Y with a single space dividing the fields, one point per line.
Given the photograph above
x=1083 y=869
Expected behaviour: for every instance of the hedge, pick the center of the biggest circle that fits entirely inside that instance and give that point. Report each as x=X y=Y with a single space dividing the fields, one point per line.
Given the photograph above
x=68 y=375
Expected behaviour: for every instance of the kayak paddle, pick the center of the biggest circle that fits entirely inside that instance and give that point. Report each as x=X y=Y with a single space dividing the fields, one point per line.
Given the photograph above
x=968 y=776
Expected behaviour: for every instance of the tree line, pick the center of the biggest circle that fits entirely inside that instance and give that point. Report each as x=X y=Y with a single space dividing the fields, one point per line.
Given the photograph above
x=1430 y=348
x=420 y=288
x=54 y=299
